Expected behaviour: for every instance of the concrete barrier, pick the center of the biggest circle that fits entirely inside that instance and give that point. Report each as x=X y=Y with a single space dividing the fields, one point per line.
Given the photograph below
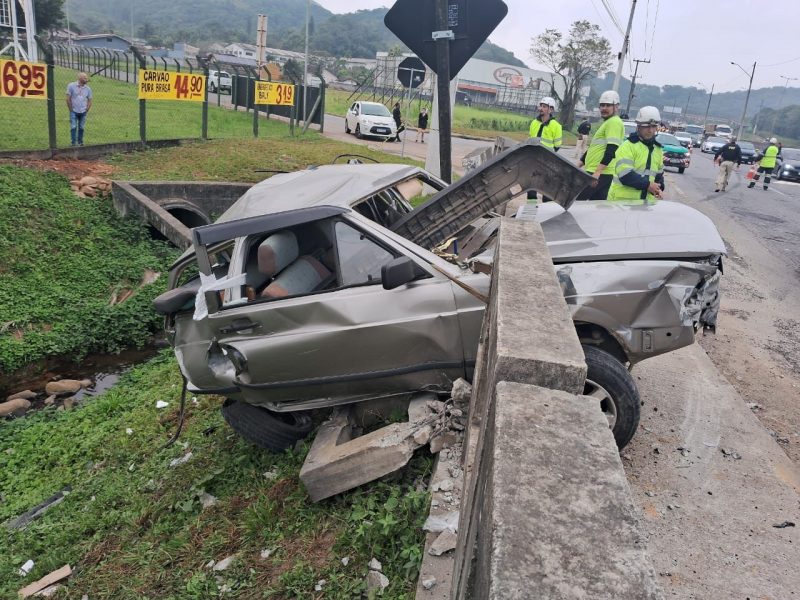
x=546 y=512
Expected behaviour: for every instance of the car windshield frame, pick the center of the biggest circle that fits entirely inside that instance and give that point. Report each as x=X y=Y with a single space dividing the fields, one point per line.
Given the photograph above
x=747 y=146
x=664 y=135
x=717 y=140
x=697 y=129
x=366 y=109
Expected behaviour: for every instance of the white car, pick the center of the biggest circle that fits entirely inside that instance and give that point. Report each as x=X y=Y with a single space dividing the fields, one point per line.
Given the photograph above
x=370 y=118
x=713 y=144
x=685 y=138
x=219 y=81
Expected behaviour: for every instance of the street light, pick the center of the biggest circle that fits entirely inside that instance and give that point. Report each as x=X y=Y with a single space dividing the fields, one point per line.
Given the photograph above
x=780 y=103
x=747 y=98
x=705 y=119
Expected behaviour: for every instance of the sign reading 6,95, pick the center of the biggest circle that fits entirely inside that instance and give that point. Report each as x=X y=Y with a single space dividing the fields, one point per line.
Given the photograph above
x=281 y=94
x=22 y=79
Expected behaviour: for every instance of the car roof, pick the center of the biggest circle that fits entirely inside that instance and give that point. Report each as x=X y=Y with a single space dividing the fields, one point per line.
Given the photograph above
x=330 y=185
x=362 y=102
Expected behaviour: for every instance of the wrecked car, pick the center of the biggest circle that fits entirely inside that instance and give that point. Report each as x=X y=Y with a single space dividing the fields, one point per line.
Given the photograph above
x=326 y=286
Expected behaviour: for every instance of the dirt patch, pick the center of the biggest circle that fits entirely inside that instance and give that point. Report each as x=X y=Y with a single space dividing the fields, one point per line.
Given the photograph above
x=70 y=168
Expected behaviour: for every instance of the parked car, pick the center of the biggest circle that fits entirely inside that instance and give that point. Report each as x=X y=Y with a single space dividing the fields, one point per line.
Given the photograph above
x=748 y=152
x=788 y=165
x=370 y=118
x=675 y=154
x=325 y=287
x=630 y=127
x=713 y=144
x=685 y=138
x=219 y=81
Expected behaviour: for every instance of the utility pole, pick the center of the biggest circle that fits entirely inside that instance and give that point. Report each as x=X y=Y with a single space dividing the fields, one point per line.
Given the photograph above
x=780 y=103
x=705 y=119
x=686 y=110
x=624 y=48
x=747 y=98
x=758 y=116
x=633 y=83
x=305 y=65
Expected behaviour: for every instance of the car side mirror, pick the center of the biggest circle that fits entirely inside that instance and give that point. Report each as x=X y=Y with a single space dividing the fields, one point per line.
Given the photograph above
x=397 y=272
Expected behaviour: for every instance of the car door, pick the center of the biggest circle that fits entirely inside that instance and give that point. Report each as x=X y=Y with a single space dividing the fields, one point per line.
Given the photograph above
x=348 y=341
x=352 y=116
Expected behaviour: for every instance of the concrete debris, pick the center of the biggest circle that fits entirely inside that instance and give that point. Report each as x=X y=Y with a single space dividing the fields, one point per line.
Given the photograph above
x=270 y=475
x=161 y=404
x=783 y=525
x=266 y=553
x=753 y=405
x=683 y=451
x=376 y=581
x=461 y=393
x=320 y=584
x=429 y=583
x=444 y=522
x=90 y=187
x=63 y=387
x=15 y=408
x=446 y=541
x=49 y=591
x=26 y=568
x=210 y=563
x=46 y=581
x=732 y=453
x=443 y=486
x=129 y=431
x=69 y=403
x=207 y=500
x=422 y=436
x=375 y=565
x=224 y=563
x=346 y=561
x=649 y=494
x=50 y=400
x=181 y=460
x=24 y=394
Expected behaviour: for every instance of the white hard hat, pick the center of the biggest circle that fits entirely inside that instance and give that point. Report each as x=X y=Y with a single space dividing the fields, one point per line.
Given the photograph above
x=773 y=140
x=648 y=115
x=609 y=97
x=549 y=101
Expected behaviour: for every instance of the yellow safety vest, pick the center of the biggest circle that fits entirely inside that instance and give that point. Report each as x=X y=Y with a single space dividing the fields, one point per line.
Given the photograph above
x=612 y=131
x=768 y=160
x=550 y=134
x=637 y=157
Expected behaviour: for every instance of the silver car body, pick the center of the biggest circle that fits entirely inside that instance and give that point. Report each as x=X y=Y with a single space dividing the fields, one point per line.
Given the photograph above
x=639 y=280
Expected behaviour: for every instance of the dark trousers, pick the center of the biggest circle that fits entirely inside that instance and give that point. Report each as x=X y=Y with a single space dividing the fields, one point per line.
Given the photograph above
x=767 y=172
x=600 y=192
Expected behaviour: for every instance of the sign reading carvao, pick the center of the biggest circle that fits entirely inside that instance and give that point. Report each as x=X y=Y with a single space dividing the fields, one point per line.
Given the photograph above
x=22 y=79
x=281 y=94
x=168 y=85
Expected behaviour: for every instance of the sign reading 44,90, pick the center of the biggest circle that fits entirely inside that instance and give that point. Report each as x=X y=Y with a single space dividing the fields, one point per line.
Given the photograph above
x=168 y=85
x=22 y=79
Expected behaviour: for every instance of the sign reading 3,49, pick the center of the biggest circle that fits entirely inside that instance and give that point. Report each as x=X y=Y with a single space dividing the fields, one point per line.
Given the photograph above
x=22 y=79
x=168 y=85
x=281 y=94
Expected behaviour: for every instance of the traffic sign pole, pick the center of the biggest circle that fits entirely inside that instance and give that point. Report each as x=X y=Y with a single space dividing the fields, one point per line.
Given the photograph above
x=443 y=91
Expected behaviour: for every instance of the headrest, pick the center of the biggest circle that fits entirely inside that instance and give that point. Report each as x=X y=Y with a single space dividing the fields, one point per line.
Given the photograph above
x=277 y=251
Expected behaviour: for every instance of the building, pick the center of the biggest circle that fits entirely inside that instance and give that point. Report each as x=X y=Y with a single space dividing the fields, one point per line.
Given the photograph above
x=106 y=41
x=182 y=51
x=242 y=50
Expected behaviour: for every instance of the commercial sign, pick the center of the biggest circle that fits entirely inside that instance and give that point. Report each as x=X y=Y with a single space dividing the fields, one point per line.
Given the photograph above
x=23 y=79
x=169 y=85
x=281 y=94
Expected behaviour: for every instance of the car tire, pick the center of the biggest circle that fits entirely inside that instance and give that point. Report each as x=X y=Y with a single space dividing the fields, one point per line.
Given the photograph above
x=265 y=428
x=681 y=169
x=212 y=88
x=346 y=128
x=609 y=381
x=358 y=131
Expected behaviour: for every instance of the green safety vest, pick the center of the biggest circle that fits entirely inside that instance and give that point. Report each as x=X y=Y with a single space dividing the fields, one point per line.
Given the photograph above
x=639 y=158
x=768 y=160
x=612 y=131
x=550 y=134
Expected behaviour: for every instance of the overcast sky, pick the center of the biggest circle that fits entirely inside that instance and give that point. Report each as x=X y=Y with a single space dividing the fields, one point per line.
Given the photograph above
x=694 y=40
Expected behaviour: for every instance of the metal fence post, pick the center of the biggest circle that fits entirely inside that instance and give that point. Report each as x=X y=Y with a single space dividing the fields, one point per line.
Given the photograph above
x=203 y=63
x=142 y=105
x=322 y=89
x=47 y=49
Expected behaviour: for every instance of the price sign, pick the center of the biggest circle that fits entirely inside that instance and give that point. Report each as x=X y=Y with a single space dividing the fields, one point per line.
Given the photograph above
x=23 y=80
x=281 y=94
x=168 y=85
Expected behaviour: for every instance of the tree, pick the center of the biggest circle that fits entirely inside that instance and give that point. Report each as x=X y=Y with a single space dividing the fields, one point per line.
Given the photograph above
x=574 y=61
x=49 y=14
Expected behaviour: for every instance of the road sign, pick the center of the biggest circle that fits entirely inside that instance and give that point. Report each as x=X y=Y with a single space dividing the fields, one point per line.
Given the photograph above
x=280 y=94
x=411 y=72
x=169 y=85
x=23 y=79
x=470 y=21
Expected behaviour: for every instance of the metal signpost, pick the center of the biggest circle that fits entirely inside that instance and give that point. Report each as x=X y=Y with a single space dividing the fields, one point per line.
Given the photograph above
x=444 y=34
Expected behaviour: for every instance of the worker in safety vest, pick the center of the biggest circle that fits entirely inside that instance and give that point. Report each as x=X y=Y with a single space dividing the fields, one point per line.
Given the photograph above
x=767 y=163
x=599 y=161
x=546 y=129
x=639 y=172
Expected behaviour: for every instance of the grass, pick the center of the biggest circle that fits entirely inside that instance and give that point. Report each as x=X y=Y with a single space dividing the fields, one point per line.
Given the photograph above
x=114 y=117
x=134 y=527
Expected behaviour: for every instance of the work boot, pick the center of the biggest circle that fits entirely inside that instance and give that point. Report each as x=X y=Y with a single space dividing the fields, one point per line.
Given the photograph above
x=765 y=187
x=716 y=190
x=751 y=185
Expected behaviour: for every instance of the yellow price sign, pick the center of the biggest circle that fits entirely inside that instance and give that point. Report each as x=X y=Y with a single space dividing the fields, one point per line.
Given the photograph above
x=23 y=79
x=268 y=92
x=168 y=85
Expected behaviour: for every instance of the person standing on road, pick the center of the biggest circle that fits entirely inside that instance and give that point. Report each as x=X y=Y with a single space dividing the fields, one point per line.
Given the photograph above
x=422 y=125
x=398 y=120
x=79 y=101
x=639 y=172
x=767 y=163
x=583 y=138
x=599 y=159
x=725 y=157
x=546 y=129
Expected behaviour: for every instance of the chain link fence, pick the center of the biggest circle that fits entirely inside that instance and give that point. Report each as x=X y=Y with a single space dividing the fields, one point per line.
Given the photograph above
x=118 y=116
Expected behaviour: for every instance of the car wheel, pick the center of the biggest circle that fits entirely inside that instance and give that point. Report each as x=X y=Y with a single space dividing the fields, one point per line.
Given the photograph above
x=610 y=383
x=212 y=88
x=358 y=131
x=681 y=169
x=346 y=128
x=265 y=428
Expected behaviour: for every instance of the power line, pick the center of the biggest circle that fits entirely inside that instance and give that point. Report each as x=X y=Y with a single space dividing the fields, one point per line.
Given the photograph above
x=613 y=16
x=655 y=24
x=646 y=24
x=602 y=20
x=781 y=63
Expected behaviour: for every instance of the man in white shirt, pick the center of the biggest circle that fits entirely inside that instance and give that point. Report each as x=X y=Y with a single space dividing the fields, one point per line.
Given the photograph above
x=79 y=101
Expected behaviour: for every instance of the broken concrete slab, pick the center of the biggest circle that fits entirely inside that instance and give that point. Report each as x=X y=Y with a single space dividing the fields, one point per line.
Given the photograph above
x=46 y=581
x=338 y=462
x=444 y=543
